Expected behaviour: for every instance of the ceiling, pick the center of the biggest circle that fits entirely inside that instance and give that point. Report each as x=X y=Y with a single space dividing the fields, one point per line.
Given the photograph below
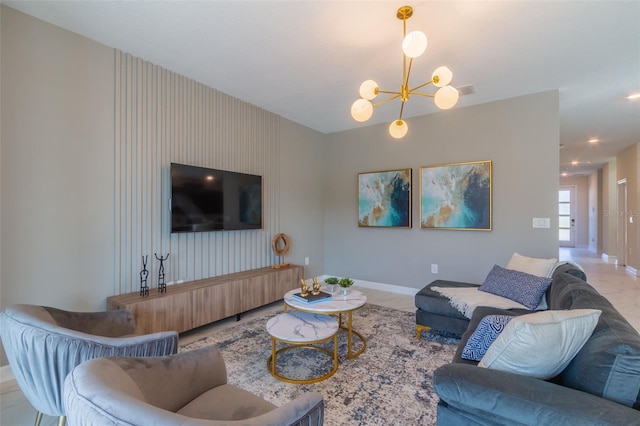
x=305 y=60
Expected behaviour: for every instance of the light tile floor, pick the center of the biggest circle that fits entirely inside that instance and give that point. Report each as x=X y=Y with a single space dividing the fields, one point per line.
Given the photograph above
x=621 y=288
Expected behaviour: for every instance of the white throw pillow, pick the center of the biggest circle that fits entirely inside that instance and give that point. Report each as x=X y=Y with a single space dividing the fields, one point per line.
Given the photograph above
x=541 y=344
x=532 y=265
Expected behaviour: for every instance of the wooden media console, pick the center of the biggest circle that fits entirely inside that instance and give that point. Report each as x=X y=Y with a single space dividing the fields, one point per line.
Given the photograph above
x=193 y=304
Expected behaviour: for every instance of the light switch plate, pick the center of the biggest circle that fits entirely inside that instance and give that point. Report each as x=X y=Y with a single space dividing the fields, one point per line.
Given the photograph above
x=541 y=222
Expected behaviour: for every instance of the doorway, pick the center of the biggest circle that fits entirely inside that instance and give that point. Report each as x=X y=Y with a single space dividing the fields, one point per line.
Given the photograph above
x=622 y=222
x=566 y=216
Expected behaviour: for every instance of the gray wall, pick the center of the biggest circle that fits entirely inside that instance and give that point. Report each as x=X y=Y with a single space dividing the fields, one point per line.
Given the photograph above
x=57 y=166
x=519 y=135
x=302 y=172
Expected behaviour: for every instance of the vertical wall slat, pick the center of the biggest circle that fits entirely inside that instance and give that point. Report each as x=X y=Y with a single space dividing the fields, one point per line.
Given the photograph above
x=162 y=117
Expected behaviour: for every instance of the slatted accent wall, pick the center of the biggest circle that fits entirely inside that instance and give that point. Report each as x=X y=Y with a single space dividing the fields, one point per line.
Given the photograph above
x=162 y=117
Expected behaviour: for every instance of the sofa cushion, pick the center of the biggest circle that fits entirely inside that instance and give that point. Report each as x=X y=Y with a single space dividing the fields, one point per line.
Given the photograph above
x=521 y=287
x=609 y=363
x=532 y=265
x=488 y=330
x=541 y=344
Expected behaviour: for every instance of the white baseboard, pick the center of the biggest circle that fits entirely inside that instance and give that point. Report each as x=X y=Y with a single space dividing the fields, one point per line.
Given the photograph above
x=410 y=291
x=6 y=373
x=633 y=271
x=609 y=259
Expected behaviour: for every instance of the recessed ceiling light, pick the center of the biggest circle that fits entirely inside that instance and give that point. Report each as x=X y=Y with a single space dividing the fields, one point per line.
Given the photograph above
x=574 y=163
x=565 y=174
x=634 y=96
x=594 y=140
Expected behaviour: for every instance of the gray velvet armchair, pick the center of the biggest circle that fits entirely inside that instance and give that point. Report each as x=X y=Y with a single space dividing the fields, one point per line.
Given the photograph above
x=44 y=344
x=189 y=388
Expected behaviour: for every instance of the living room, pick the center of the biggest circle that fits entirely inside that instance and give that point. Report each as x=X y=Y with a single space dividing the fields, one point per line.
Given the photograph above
x=89 y=131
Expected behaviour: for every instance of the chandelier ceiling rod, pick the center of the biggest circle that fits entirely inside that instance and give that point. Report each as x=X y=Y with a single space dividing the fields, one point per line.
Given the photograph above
x=414 y=44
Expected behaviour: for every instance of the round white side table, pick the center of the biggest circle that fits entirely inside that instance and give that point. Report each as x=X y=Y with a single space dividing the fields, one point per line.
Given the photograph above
x=302 y=330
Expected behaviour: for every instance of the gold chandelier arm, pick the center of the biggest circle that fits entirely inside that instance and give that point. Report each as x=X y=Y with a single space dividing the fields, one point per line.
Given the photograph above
x=384 y=101
x=405 y=74
x=426 y=95
x=401 y=110
x=389 y=91
x=405 y=82
x=420 y=87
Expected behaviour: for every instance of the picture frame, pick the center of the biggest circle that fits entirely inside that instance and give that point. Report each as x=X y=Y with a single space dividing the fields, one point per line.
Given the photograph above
x=457 y=196
x=384 y=199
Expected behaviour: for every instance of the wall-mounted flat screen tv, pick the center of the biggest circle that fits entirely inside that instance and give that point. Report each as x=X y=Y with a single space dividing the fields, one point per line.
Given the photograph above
x=204 y=199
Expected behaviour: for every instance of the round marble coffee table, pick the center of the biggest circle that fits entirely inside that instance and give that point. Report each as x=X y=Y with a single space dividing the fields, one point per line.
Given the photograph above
x=338 y=304
x=302 y=330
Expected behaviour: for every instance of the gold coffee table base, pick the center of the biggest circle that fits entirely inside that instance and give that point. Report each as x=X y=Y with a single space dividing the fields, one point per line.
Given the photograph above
x=272 y=360
x=350 y=331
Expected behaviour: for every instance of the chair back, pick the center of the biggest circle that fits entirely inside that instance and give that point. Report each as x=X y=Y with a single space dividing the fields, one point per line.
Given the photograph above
x=42 y=350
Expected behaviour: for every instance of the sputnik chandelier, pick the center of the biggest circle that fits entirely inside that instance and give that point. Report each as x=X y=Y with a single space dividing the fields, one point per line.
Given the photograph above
x=413 y=45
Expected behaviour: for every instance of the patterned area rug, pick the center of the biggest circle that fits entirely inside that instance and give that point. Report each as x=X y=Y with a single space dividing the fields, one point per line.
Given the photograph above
x=390 y=383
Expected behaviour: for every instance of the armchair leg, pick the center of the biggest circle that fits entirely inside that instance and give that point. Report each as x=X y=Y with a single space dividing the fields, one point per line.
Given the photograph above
x=62 y=420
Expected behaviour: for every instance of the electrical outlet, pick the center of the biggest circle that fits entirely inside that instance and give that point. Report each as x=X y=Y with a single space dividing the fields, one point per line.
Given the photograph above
x=306 y=261
x=434 y=268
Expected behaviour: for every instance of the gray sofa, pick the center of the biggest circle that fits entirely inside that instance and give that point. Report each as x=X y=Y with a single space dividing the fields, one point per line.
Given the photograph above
x=600 y=386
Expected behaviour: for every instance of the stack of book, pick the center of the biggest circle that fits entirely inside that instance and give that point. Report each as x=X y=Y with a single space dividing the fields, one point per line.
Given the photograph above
x=311 y=298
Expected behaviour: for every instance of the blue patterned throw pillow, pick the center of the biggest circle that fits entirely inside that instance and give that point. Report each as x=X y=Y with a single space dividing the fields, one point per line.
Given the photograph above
x=521 y=287
x=487 y=331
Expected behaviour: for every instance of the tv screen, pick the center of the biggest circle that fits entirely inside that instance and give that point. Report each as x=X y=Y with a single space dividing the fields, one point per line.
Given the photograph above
x=204 y=199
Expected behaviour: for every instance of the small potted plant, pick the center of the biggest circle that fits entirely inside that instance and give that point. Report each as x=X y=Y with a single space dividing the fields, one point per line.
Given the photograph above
x=331 y=283
x=345 y=283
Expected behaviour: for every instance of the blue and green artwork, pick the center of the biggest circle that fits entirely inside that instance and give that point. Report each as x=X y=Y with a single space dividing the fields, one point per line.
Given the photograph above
x=384 y=199
x=456 y=196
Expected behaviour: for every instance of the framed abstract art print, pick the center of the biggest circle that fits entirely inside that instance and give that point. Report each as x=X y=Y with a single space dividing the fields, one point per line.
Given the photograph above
x=384 y=199
x=456 y=196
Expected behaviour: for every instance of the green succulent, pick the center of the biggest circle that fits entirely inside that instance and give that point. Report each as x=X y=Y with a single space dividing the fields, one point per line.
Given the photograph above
x=345 y=282
x=331 y=280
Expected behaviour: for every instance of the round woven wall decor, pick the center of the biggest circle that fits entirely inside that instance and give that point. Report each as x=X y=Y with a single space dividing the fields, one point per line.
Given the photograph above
x=280 y=244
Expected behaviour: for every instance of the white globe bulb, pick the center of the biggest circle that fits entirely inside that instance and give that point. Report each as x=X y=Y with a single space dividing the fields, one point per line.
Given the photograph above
x=442 y=76
x=398 y=128
x=361 y=110
x=369 y=89
x=446 y=97
x=414 y=44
